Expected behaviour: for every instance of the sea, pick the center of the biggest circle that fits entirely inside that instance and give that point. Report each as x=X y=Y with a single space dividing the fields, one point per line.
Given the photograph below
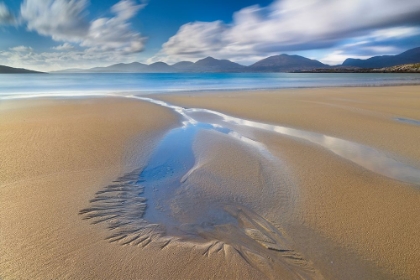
x=23 y=85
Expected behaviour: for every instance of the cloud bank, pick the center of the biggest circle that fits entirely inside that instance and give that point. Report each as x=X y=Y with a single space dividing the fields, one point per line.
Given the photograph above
x=66 y=21
x=290 y=25
x=63 y=56
x=63 y=47
x=84 y=42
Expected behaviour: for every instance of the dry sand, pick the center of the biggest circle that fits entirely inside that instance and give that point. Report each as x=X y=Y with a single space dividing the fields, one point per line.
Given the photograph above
x=352 y=223
x=334 y=219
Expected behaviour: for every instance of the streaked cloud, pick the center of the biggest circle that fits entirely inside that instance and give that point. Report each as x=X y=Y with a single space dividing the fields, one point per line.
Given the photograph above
x=21 y=49
x=115 y=33
x=59 y=59
x=63 y=47
x=95 y=33
x=289 y=25
x=6 y=17
x=395 y=33
x=66 y=21
x=386 y=41
x=338 y=56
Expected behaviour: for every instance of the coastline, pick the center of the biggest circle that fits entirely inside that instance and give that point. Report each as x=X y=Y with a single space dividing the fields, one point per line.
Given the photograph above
x=170 y=83
x=351 y=223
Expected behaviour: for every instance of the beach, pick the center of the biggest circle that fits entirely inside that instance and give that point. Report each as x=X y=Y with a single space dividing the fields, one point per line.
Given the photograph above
x=360 y=212
x=56 y=154
x=291 y=208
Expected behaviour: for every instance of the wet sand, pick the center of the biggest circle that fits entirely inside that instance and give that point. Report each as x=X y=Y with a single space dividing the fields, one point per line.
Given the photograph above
x=55 y=155
x=352 y=223
x=78 y=175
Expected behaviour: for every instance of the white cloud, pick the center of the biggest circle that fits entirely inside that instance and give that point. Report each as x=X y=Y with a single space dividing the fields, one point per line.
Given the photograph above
x=395 y=33
x=6 y=16
x=21 y=49
x=57 y=60
x=61 y=19
x=337 y=57
x=289 y=25
x=374 y=43
x=66 y=20
x=114 y=33
x=64 y=47
x=126 y=9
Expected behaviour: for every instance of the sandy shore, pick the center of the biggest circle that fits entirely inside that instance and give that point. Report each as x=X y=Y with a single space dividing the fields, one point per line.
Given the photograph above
x=354 y=224
x=241 y=214
x=55 y=154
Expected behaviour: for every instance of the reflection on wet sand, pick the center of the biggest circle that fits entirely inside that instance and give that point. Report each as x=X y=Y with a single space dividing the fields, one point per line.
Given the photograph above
x=145 y=205
x=409 y=121
x=365 y=156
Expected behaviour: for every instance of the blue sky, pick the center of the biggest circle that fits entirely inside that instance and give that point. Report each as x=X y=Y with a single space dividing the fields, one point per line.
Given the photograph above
x=57 y=34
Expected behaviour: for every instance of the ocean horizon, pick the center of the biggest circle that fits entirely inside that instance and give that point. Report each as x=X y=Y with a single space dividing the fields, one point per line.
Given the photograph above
x=18 y=85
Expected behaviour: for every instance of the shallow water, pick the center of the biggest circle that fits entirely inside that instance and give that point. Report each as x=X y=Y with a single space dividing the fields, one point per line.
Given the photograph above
x=367 y=157
x=95 y=84
x=409 y=121
x=167 y=169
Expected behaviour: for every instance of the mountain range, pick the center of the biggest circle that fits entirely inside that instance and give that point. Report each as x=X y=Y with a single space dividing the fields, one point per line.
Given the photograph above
x=285 y=63
x=408 y=57
x=277 y=63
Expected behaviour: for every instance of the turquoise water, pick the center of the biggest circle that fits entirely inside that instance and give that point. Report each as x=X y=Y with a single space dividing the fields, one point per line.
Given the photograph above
x=81 y=84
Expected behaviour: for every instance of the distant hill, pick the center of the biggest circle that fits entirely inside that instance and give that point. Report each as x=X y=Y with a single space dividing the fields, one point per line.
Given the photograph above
x=408 y=57
x=122 y=67
x=183 y=65
x=285 y=63
x=11 y=70
x=160 y=67
x=135 y=67
x=210 y=64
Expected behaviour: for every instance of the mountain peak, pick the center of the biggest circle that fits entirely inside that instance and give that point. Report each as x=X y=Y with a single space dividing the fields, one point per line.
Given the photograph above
x=159 y=63
x=209 y=58
x=412 y=52
x=210 y=64
x=285 y=62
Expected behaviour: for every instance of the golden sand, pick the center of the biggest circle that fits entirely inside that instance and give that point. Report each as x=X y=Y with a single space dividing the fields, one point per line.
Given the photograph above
x=55 y=155
x=339 y=221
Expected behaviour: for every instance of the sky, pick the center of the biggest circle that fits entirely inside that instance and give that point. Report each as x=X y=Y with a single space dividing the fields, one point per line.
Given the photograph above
x=51 y=35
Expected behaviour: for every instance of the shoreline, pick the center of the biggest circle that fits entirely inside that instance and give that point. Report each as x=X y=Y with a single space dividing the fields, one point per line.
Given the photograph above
x=116 y=93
